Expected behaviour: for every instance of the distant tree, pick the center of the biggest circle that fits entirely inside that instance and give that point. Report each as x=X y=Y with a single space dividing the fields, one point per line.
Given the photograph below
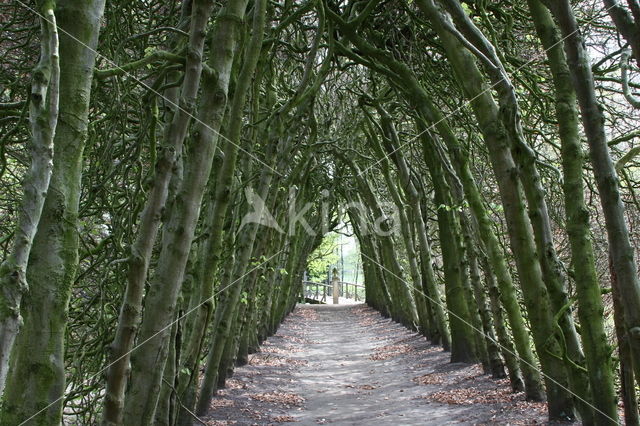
x=324 y=256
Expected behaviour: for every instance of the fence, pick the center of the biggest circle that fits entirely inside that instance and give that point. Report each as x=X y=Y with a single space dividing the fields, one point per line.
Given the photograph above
x=320 y=291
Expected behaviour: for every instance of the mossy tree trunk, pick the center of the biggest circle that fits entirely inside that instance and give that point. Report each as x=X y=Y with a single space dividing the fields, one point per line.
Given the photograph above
x=476 y=90
x=520 y=232
x=53 y=258
x=160 y=302
x=43 y=119
x=590 y=305
x=620 y=247
x=141 y=250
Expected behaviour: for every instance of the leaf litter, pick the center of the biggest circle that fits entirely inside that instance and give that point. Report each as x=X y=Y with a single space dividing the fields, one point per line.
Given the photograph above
x=258 y=396
x=283 y=398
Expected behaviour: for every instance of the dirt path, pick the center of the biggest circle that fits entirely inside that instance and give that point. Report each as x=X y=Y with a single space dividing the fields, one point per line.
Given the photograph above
x=347 y=365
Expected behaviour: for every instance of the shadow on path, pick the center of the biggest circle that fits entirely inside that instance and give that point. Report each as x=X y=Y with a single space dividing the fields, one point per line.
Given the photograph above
x=347 y=365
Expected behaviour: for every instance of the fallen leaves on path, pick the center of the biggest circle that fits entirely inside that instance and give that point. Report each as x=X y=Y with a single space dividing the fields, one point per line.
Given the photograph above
x=283 y=398
x=430 y=379
x=283 y=419
x=390 y=351
x=470 y=396
x=361 y=387
x=408 y=339
x=511 y=406
x=366 y=316
x=268 y=360
x=367 y=387
x=296 y=339
x=272 y=360
x=221 y=402
x=431 y=349
x=272 y=349
x=234 y=384
x=367 y=321
x=381 y=337
x=308 y=314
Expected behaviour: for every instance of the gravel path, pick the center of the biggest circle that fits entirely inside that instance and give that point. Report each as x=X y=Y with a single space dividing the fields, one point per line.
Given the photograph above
x=347 y=365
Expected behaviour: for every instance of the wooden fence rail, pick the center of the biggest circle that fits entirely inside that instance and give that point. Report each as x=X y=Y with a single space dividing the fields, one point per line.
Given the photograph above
x=320 y=291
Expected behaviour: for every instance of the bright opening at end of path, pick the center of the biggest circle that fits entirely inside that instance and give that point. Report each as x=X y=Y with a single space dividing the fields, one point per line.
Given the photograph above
x=336 y=259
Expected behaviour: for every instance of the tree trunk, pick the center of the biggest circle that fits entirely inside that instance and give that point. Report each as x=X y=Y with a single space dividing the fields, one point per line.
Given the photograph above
x=505 y=342
x=604 y=171
x=627 y=379
x=551 y=267
x=147 y=365
x=224 y=179
x=141 y=250
x=440 y=334
x=462 y=335
x=53 y=258
x=520 y=232
x=493 y=351
x=43 y=119
x=590 y=307
x=475 y=89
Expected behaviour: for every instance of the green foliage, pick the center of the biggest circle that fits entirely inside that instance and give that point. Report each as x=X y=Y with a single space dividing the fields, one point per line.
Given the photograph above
x=322 y=257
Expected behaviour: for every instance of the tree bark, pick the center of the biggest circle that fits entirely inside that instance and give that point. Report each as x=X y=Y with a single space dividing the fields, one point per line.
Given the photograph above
x=223 y=186
x=141 y=250
x=43 y=119
x=53 y=258
x=626 y=25
x=147 y=364
x=627 y=379
x=590 y=306
x=520 y=232
x=620 y=247
x=551 y=267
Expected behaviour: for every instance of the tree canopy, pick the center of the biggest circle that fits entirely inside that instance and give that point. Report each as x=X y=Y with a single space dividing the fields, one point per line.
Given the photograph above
x=169 y=171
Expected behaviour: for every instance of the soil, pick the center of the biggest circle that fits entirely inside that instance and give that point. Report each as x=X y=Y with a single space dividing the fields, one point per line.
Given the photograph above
x=347 y=365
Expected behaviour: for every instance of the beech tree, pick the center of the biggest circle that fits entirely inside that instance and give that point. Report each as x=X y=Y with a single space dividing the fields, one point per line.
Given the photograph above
x=169 y=168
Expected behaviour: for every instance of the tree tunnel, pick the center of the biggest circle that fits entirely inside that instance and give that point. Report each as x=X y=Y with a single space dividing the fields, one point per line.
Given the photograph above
x=169 y=170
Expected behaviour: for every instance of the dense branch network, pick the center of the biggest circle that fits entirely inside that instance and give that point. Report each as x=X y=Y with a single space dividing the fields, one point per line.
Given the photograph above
x=169 y=171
